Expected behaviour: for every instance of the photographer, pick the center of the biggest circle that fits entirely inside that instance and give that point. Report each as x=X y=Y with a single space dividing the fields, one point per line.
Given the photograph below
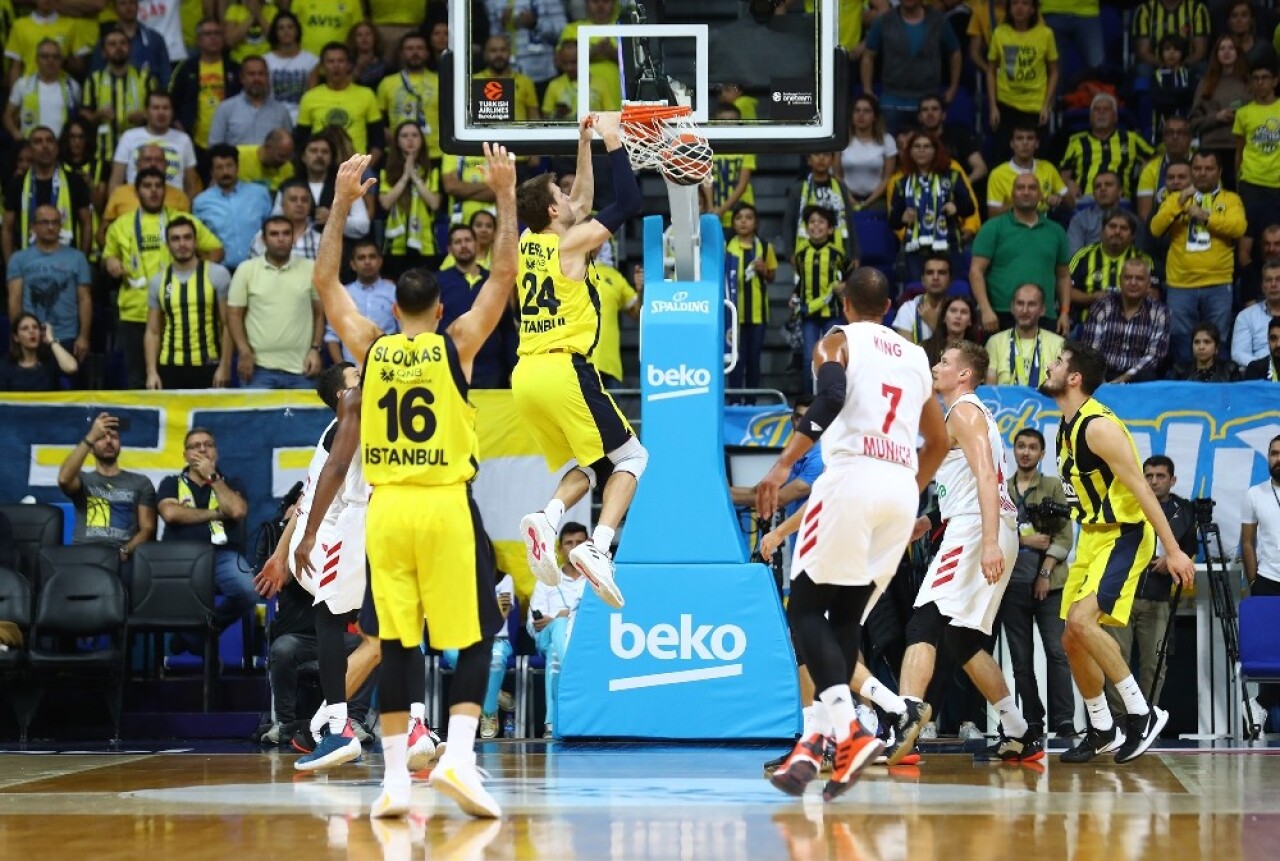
x=1152 y=604
x=1035 y=587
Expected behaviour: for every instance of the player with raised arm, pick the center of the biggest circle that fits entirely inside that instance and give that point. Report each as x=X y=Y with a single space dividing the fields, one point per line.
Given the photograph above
x=556 y=388
x=874 y=400
x=428 y=556
x=1120 y=520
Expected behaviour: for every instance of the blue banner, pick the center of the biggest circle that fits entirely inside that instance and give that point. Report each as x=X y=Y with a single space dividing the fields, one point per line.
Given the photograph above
x=1216 y=433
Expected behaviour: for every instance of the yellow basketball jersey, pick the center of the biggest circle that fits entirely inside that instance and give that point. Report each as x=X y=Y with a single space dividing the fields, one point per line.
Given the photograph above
x=1093 y=491
x=416 y=425
x=557 y=314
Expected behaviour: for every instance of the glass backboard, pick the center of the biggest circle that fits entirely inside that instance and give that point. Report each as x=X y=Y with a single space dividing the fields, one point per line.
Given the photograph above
x=780 y=74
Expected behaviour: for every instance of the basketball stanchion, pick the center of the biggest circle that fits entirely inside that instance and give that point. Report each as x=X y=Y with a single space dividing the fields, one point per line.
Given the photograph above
x=701 y=649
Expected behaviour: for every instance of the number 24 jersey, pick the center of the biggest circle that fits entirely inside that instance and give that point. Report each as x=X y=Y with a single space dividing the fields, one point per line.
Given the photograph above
x=416 y=425
x=556 y=313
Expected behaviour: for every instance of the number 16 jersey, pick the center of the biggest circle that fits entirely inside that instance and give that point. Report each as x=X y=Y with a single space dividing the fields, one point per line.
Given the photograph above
x=416 y=425
x=557 y=314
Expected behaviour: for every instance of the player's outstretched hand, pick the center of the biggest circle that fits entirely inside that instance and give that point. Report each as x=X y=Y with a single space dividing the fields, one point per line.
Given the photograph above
x=500 y=173
x=1181 y=567
x=351 y=185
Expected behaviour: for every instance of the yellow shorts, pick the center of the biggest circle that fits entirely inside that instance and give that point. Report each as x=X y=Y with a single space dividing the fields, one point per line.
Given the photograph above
x=565 y=407
x=429 y=559
x=1109 y=562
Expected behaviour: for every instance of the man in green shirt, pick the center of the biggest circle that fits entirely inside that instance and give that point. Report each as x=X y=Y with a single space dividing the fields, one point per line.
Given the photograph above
x=1021 y=247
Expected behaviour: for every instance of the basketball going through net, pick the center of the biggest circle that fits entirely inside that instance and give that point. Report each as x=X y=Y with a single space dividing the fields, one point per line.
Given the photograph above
x=665 y=138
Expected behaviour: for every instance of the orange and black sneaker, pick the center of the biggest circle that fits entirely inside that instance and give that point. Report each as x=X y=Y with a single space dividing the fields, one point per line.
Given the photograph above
x=801 y=766
x=852 y=755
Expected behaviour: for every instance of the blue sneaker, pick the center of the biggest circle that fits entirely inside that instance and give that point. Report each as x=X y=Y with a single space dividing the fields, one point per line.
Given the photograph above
x=332 y=751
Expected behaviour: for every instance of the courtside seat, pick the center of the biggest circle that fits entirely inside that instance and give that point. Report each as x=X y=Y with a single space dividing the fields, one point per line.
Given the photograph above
x=34 y=527
x=1260 y=640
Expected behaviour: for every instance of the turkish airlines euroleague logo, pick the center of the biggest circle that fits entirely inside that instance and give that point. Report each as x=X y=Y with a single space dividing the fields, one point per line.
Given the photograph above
x=493 y=100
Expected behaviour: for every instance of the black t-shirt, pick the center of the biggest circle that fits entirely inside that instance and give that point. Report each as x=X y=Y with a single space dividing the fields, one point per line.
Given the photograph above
x=1182 y=522
x=200 y=498
x=79 y=191
x=295 y=612
x=44 y=377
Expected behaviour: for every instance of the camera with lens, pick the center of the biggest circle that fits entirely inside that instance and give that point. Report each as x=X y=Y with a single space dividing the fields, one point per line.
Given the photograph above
x=1048 y=510
x=1203 y=510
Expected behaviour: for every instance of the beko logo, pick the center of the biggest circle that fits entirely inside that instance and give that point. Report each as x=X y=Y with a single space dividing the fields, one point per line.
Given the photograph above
x=682 y=382
x=684 y=642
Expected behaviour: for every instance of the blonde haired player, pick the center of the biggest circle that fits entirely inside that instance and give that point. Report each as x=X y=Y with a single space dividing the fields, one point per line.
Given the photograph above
x=556 y=388
x=428 y=557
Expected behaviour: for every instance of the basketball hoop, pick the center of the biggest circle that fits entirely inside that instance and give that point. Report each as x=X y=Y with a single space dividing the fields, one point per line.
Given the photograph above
x=664 y=137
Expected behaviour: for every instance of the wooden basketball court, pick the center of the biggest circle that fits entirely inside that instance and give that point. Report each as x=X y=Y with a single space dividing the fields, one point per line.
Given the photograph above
x=641 y=802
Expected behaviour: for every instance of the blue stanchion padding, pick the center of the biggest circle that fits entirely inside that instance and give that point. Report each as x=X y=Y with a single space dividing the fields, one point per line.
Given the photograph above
x=698 y=652
x=682 y=406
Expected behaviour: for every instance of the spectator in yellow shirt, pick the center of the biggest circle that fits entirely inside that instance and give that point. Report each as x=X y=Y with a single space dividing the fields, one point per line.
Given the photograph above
x=413 y=94
x=325 y=21
x=339 y=102
x=1204 y=222
x=1022 y=79
x=75 y=36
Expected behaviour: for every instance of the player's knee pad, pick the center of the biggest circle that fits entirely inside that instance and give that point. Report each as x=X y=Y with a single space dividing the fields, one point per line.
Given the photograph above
x=630 y=457
x=926 y=625
x=590 y=473
x=471 y=673
x=964 y=643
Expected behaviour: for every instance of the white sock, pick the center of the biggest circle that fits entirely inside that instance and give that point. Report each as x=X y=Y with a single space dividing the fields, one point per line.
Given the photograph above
x=319 y=719
x=462 y=738
x=419 y=711
x=1011 y=719
x=808 y=722
x=554 y=512
x=839 y=702
x=395 y=763
x=873 y=690
x=602 y=538
x=821 y=718
x=1134 y=702
x=1099 y=714
x=337 y=718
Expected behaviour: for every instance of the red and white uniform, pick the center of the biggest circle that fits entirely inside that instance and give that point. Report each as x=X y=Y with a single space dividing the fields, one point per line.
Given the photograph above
x=863 y=507
x=338 y=558
x=955 y=582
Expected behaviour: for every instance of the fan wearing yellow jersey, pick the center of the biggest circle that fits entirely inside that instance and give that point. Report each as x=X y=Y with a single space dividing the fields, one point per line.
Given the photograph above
x=1116 y=510
x=556 y=388
x=428 y=555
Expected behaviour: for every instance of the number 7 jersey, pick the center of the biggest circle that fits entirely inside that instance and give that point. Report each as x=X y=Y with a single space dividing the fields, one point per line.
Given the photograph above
x=557 y=314
x=416 y=425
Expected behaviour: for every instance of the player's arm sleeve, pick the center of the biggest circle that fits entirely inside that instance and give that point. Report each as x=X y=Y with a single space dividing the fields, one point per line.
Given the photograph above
x=828 y=402
x=627 y=202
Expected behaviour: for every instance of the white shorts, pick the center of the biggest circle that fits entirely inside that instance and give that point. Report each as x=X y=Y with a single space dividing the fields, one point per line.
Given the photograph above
x=338 y=562
x=955 y=582
x=859 y=520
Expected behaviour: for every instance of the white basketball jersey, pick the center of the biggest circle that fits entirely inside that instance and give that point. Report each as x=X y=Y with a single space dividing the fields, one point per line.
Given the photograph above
x=355 y=490
x=887 y=383
x=957 y=485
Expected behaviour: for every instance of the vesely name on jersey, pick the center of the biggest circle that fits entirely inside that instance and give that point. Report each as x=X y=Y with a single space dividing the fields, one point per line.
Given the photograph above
x=538 y=250
x=537 y=327
x=408 y=357
x=391 y=455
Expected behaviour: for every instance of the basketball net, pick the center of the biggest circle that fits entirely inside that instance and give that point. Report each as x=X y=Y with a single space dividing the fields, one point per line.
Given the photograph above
x=650 y=132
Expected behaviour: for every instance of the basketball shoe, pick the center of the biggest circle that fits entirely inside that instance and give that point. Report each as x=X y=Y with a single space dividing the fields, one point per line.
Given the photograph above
x=852 y=755
x=1028 y=748
x=910 y=723
x=333 y=750
x=540 y=547
x=1096 y=741
x=594 y=564
x=425 y=747
x=1141 y=732
x=801 y=765
x=390 y=804
x=463 y=781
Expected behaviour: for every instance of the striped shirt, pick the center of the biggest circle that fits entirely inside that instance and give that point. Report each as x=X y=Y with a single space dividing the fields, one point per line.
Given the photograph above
x=1154 y=20
x=1093 y=269
x=817 y=272
x=1122 y=152
x=749 y=288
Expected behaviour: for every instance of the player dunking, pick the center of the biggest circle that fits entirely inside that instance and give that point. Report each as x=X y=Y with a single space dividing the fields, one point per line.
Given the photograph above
x=961 y=592
x=428 y=557
x=874 y=400
x=556 y=388
x=1116 y=510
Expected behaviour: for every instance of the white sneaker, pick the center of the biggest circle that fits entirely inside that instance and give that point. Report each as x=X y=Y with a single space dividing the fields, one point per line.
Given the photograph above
x=464 y=783
x=1255 y=720
x=540 y=547
x=488 y=726
x=425 y=747
x=969 y=731
x=390 y=804
x=597 y=567
x=930 y=731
